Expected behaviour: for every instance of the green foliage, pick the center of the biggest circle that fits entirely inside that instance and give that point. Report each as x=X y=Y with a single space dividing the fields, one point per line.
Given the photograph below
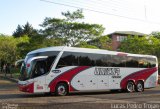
x=27 y=29
x=156 y=34
x=18 y=32
x=86 y=45
x=52 y=42
x=72 y=32
x=9 y=50
x=23 y=46
x=140 y=45
x=103 y=42
x=73 y=16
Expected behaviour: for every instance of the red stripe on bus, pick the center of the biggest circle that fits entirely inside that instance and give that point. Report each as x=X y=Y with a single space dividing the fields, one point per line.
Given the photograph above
x=140 y=75
x=66 y=77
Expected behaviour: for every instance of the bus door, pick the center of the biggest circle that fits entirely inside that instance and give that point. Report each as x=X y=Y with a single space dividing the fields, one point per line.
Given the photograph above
x=38 y=73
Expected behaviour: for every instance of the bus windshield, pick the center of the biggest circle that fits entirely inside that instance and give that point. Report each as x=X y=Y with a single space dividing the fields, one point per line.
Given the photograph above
x=37 y=64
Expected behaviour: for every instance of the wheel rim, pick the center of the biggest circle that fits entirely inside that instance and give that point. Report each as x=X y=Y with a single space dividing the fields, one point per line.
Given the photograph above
x=139 y=87
x=130 y=87
x=61 y=90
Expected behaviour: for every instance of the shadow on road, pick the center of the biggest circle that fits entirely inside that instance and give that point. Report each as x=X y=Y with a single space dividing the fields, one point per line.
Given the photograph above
x=26 y=95
x=13 y=96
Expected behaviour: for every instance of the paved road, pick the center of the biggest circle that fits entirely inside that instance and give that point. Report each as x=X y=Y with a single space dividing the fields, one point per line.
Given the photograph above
x=9 y=95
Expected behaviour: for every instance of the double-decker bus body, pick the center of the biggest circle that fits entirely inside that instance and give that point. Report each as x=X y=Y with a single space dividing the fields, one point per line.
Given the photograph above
x=69 y=69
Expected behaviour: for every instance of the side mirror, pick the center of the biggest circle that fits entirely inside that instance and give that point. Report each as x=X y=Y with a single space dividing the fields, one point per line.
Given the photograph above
x=19 y=62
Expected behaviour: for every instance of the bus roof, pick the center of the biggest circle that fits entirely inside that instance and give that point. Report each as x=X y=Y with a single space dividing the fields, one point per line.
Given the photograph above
x=86 y=50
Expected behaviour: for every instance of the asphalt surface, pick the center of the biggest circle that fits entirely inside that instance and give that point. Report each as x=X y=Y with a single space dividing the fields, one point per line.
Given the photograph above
x=10 y=96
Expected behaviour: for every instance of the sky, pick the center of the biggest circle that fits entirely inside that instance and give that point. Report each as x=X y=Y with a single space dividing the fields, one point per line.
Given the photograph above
x=115 y=15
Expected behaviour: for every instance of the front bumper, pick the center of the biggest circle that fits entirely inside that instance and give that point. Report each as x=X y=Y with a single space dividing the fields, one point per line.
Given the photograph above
x=26 y=87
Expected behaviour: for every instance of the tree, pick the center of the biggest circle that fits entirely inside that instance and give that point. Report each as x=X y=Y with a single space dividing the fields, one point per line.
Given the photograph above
x=141 y=45
x=73 y=16
x=156 y=34
x=9 y=51
x=103 y=42
x=23 y=46
x=71 y=31
x=27 y=29
x=18 y=32
x=86 y=45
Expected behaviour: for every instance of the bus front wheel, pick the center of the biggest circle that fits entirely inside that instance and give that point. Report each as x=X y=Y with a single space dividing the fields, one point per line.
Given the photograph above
x=140 y=86
x=130 y=86
x=61 y=89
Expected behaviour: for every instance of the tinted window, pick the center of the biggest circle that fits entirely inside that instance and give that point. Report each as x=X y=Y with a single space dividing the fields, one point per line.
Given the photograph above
x=87 y=59
x=132 y=61
x=39 y=68
x=108 y=60
x=105 y=60
x=81 y=59
x=147 y=62
x=68 y=59
x=46 y=53
x=118 y=61
x=49 y=61
x=151 y=62
x=143 y=62
x=101 y=60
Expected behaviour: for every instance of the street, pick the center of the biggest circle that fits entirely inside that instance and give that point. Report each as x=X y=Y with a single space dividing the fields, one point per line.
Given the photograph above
x=11 y=96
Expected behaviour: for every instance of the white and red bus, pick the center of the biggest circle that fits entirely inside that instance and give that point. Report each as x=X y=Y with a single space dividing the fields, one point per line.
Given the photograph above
x=62 y=70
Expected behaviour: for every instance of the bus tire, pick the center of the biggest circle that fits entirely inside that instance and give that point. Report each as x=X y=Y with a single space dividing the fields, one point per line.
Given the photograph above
x=61 y=89
x=130 y=86
x=140 y=86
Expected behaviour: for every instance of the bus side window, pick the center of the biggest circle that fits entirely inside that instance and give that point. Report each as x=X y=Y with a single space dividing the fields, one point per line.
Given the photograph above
x=151 y=62
x=68 y=59
x=143 y=63
x=132 y=61
x=100 y=60
x=103 y=60
x=61 y=63
x=118 y=61
x=87 y=59
x=49 y=62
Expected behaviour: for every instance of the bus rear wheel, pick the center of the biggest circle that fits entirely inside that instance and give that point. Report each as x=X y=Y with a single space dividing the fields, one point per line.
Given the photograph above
x=61 y=89
x=140 y=86
x=130 y=87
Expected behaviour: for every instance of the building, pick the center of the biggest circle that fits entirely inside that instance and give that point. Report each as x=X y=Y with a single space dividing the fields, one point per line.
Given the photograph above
x=118 y=36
